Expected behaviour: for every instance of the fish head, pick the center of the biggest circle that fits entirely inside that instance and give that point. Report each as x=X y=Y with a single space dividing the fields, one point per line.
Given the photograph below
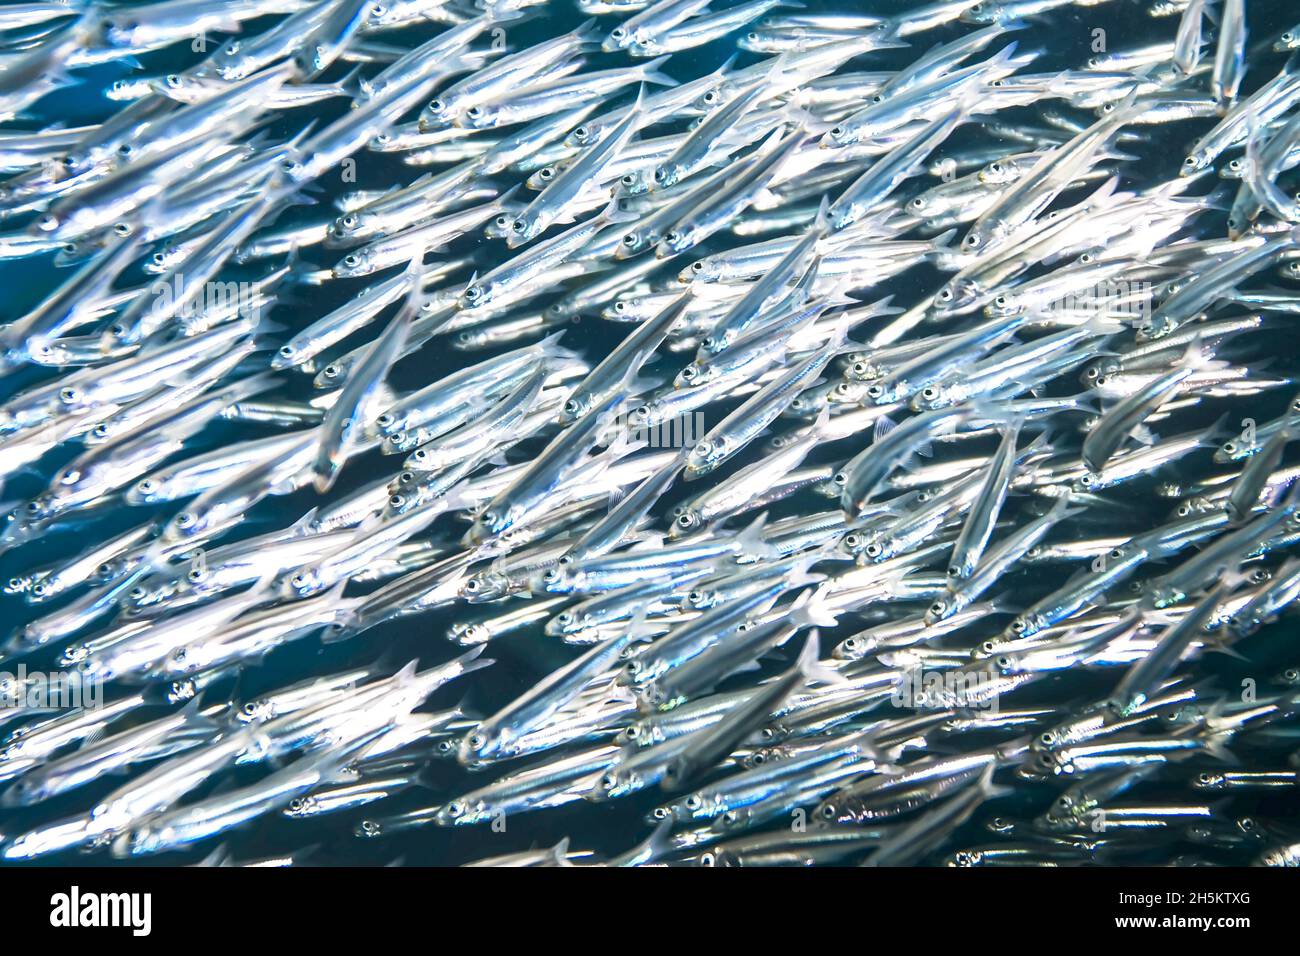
x=1193 y=164
x=851 y=649
x=302 y=583
x=636 y=183
x=523 y=229
x=936 y=395
x=184 y=526
x=612 y=783
x=957 y=293
x=347 y=225
x=256 y=711
x=470 y=634
x=459 y=813
x=481 y=116
x=667 y=174
x=475 y=295
x=437 y=113
x=675 y=241
x=941 y=608
x=554 y=580
x=633 y=243
x=884 y=392
x=686 y=521
x=300 y=807
x=619 y=38
x=707 y=454
x=701 y=270
x=567 y=622
x=982 y=13
x=485 y=586
x=478 y=747
x=878 y=548
x=838 y=137
x=693 y=374
x=355 y=264
x=974 y=240
x=1025 y=625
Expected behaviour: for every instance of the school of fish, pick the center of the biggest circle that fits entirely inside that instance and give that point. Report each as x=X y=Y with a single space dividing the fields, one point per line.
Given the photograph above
x=870 y=447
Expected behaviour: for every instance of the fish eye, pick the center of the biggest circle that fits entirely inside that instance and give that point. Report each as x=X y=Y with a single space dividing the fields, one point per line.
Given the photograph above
x=618 y=33
x=397 y=501
x=1190 y=162
x=437 y=105
x=571 y=407
x=185 y=519
x=1116 y=554
x=122 y=229
x=945 y=295
x=837 y=131
x=350 y=260
x=580 y=132
x=349 y=221
x=660 y=175
x=519 y=225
